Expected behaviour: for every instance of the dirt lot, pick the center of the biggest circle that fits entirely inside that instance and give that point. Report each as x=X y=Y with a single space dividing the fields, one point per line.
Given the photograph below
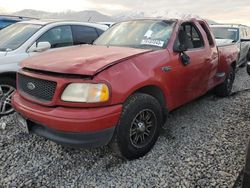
x=203 y=145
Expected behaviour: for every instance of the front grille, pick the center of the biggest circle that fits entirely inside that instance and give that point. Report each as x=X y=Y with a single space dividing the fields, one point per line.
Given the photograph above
x=39 y=89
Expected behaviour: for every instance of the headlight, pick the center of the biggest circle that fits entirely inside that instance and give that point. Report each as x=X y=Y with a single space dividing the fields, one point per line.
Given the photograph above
x=83 y=92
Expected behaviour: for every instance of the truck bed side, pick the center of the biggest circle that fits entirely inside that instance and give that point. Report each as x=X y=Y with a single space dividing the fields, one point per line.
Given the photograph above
x=228 y=54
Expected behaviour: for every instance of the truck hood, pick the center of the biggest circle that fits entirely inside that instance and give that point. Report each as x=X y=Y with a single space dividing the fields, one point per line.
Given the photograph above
x=81 y=60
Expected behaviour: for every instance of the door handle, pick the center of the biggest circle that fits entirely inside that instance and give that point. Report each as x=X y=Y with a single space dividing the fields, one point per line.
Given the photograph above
x=166 y=69
x=208 y=60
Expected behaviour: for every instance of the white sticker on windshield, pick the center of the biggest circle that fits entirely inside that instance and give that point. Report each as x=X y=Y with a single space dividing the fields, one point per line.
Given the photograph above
x=235 y=30
x=153 y=42
x=148 y=34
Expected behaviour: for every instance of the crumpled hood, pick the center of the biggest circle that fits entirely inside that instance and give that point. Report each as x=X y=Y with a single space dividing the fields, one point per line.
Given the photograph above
x=82 y=60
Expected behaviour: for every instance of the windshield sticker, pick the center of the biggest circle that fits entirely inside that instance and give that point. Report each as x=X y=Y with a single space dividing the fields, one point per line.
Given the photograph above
x=148 y=34
x=235 y=30
x=153 y=42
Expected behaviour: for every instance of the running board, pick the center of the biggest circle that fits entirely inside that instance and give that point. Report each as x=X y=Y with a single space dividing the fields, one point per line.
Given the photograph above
x=220 y=74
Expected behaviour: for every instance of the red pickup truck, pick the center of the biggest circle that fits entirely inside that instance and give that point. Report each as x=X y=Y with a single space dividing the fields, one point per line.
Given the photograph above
x=119 y=90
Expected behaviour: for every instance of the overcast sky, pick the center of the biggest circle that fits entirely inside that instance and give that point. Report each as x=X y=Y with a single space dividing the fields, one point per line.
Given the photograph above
x=223 y=11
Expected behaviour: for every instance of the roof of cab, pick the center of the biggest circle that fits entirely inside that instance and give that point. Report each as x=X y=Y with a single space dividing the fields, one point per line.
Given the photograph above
x=167 y=19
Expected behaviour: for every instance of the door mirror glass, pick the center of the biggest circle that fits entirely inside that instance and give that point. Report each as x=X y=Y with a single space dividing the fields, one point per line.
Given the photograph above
x=40 y=47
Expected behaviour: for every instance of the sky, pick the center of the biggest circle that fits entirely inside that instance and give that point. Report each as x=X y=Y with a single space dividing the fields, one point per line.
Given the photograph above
x=228 y=11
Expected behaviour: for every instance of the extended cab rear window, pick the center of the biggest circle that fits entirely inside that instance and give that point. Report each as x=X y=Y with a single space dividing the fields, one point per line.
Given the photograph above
x=208 y=34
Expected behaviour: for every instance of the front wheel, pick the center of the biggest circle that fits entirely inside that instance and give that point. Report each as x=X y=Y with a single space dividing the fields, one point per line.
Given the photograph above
x=225 y=89
x=7 y=88
x=138 y=127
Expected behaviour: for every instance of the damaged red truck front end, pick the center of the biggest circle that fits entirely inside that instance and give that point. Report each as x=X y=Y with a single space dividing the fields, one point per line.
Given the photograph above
x=119 y=90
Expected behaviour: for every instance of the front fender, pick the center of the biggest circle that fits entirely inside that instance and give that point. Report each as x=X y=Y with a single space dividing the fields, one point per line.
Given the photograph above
x=6 y=68
x=11 y=63
x=127 y=78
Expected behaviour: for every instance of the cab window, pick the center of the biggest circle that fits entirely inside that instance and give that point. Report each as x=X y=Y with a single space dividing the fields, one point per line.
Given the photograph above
x=189 y=36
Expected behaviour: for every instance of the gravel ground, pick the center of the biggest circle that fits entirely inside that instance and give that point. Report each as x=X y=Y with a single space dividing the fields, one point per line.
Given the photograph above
x=203 y=145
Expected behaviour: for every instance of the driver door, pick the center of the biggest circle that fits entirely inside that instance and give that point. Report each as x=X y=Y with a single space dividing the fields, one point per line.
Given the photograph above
x=191 y=80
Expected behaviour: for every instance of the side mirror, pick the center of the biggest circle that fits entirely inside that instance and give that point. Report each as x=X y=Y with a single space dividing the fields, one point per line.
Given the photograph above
x=180 y=48
x=40 y=47
x=183 y=56
x=245 y=39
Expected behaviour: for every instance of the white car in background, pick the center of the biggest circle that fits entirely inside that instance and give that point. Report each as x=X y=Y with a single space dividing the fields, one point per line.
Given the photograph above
x=24 y=39
x=234 y=33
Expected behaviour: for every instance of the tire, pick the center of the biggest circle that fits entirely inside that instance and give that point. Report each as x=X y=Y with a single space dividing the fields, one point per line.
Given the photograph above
x=243 y=64
x=248 y=69
x=7 y=88
x=246 y=60
x=141 y=118
x=225 y=89
x=248 y=56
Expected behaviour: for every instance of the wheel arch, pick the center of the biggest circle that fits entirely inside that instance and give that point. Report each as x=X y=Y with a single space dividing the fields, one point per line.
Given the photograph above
x=8 y=74
x=157 y=93
x=234 y=65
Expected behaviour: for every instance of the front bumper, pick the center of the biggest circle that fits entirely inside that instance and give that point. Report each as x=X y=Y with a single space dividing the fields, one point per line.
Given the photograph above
x=83 y=140
x=91 y=127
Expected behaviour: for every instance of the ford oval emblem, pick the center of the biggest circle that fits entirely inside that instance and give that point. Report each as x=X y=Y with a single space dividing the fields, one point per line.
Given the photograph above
x=31 y=86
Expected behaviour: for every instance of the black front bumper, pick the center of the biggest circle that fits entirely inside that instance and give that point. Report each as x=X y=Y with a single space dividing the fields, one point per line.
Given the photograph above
x=84 y=140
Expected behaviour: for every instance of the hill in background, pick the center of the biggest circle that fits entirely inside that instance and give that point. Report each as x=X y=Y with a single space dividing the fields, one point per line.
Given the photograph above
x=95 y=16
x=88 y=15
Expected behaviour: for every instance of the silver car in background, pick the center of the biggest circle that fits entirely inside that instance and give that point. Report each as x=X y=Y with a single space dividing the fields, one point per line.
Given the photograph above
x=24 y=39
x=238 y=34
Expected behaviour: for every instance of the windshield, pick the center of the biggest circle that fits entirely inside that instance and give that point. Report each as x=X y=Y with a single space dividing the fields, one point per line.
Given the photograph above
x=226 y=33
x=15 y=35
x=150 y=34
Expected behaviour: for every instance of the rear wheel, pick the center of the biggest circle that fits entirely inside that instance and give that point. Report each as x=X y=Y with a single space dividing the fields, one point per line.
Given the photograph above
x=243 y=64
x=246 y=59
x=138 y=128
x=248 y=69
x=7 y=88
x=225 y=89
x=248 y=56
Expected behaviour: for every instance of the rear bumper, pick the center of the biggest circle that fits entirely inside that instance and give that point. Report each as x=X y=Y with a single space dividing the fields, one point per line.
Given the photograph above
x=92 y=127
